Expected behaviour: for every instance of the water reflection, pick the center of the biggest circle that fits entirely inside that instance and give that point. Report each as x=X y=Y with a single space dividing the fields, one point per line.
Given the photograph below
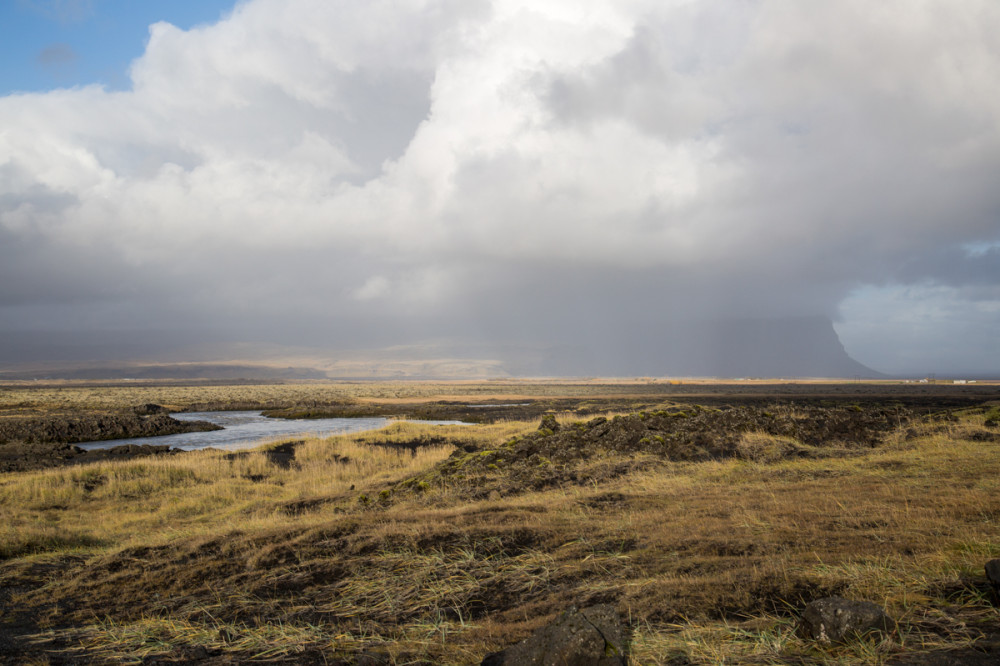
x=244 y=430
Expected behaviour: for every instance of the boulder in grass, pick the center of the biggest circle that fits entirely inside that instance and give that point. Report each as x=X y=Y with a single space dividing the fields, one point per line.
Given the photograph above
x=589 y=637
x=993 y=576
x=549 y=423
x=837 y=620
x=150 y=409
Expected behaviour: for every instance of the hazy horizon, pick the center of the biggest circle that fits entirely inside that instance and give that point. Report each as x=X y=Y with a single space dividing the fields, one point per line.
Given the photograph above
x=786 y=348
x=497 y=175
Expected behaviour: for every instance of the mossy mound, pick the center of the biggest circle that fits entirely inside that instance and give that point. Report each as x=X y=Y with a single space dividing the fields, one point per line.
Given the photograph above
x=602 y=448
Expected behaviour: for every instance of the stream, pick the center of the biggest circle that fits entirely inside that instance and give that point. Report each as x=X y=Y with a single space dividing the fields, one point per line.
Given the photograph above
x=246 y=430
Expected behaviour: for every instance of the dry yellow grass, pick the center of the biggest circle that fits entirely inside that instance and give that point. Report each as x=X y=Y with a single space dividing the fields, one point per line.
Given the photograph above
x=115 y=504
x=711 y=561
x=25 y=399
x=762 y=447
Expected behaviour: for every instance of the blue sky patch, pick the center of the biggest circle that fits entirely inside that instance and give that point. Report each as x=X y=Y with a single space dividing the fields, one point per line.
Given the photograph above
x=46 y=44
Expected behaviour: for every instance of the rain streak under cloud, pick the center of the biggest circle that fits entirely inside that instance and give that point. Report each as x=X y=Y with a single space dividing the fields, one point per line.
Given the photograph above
x=345 y=174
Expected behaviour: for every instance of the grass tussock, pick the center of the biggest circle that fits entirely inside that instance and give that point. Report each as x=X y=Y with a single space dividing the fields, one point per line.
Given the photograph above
x=763 y=447
x=149 y=500
x=272 y=555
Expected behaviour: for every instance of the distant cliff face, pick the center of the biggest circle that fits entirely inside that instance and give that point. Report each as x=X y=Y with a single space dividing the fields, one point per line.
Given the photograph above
x=798 y=347
x=789 y=347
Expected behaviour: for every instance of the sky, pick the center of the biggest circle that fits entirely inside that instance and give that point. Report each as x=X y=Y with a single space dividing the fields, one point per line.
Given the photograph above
x=50 y=44
x=352 y=175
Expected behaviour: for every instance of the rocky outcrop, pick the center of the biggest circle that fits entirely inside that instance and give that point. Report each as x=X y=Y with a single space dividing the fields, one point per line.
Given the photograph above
x=25 y=457
x=95 y=427
x=837 y=620
x=549 y=423
x=40 y=442
x=993 y=577
x=589 y=637
x=594 y=451
x=150 y=409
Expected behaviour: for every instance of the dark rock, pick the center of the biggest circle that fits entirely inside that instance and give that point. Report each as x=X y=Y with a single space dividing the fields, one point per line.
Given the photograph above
x=150 y=409
x=38 y=442
x=837 y=620
x=282 y=455
x=993 y=576
x=94 y=427
x=135 y=450
x=598 y=450
x=549 y=423
x=589 y=637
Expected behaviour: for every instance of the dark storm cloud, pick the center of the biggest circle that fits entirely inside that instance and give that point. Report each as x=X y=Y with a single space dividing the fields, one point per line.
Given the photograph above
x=550 y=173
x=955 y=267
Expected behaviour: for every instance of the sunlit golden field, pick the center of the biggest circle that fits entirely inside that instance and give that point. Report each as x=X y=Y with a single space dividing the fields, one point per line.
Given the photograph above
x=116 y=503
x=359 y=543
x=24 y=398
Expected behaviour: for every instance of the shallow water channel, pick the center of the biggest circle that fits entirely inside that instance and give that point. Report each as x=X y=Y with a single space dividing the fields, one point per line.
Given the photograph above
x=245 y=430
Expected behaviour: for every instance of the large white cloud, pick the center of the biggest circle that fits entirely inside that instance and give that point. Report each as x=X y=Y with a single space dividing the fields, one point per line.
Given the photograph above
x=477 y=162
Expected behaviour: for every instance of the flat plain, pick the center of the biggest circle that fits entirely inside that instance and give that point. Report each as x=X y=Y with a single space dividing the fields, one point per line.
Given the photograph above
x=707 y=514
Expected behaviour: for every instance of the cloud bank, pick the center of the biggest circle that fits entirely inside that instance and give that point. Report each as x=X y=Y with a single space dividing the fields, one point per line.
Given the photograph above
x=352 y=174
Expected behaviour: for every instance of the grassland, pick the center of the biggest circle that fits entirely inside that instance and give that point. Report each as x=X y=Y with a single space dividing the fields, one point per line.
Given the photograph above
x=429 y=544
